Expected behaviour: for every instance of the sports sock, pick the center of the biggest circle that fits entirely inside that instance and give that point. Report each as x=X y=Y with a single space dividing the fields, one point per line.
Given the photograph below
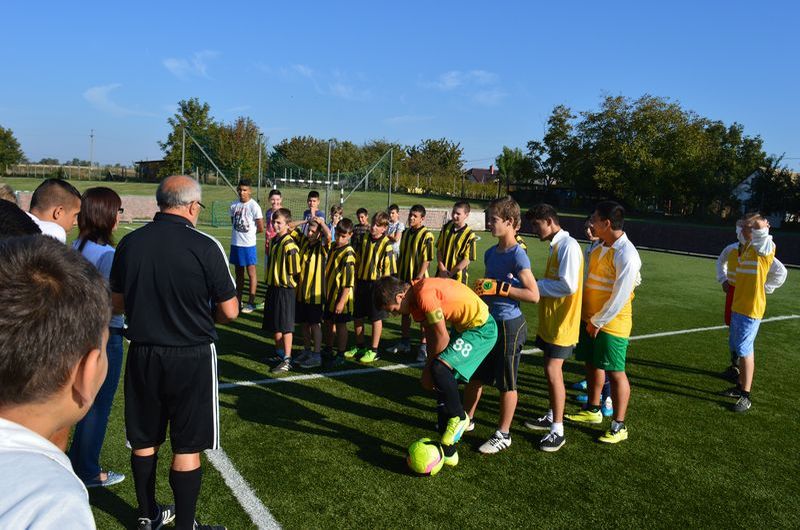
x=593 y=408
x=144 y=481
x=441 y=414
x=185 y=488
x=449 y=450
x=448 y=390
x=746 y=394
x=558 y=428
x=549 y=415
x=505 y=435
x=617 y=425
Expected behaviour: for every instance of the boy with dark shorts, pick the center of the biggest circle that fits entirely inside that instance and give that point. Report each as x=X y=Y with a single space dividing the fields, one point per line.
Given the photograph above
x=282 y=272
x=374 y=259
x=452 y=358
x=340 y=274
x=455 y=248
x=362 y=228
x=508 y=282
x=314 y=245
x=559 y=316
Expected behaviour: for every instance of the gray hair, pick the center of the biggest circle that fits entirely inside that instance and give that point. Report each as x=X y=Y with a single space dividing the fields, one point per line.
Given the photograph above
x=177 y=190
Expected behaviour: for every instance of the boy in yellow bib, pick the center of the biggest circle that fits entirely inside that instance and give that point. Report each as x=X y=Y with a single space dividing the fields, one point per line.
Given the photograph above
x=607 y=318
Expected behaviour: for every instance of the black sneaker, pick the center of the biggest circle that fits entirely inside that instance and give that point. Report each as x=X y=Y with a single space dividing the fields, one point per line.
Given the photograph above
x=743 y=405
x=552 y=442
x=539 y=424
x=731 y=373
x=165 y=516
x=733 y=392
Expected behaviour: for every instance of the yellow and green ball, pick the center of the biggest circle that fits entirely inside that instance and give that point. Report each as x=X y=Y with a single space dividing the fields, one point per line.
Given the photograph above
x=425 y=457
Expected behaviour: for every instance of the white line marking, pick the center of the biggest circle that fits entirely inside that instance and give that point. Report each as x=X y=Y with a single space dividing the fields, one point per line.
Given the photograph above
x=242 y=490
x=393 y=367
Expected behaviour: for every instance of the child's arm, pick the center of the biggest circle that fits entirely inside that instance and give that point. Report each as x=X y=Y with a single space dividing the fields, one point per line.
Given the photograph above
x=323 y=226
x=342 y=301
x=259 y=226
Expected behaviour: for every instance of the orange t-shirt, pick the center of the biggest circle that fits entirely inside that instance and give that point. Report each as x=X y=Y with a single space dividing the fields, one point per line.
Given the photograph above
x=438 y=299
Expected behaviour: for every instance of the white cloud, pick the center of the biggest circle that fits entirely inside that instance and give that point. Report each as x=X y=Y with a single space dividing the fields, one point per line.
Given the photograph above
x=480 y=86
x=406 y=118
x=489 y=97
x=99 y=98
x=303 y=70
x=197 y=66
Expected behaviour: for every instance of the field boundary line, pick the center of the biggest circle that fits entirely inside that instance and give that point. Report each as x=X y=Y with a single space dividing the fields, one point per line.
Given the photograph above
x=241 y=489
x=401 y=366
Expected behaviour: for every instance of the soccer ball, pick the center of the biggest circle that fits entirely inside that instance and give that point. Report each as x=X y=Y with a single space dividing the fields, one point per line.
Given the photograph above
x=425 y=457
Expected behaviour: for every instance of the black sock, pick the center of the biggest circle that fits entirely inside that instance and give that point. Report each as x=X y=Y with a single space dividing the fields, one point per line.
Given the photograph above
x=593 y=408
x=186 y=488
x=449 y=450
x=448 y=390
x=441 y=413
x=746 y=394
x=144 y=481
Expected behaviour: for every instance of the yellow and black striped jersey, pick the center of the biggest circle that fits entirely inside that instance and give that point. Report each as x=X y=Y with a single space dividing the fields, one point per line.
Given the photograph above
x=283 y=264
x=313 y=254
x=375 y=258
x=340 y=273
x=455 y=245
x=522 y=243
x=416 y=246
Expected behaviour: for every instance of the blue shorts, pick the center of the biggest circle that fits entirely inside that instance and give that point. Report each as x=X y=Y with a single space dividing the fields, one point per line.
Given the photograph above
x=243 y=256
x=743 y=333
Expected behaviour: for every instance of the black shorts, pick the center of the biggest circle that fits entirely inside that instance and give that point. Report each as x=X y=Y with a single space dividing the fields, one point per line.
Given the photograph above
x=341 y=318
x=308 y=313
x=279 y=306
x=500 y=367
x=554 y=351
x=364 y=308
x=176 y=386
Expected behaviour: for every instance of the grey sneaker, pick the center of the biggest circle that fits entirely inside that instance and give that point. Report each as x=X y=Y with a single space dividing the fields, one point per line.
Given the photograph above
x=165 y=516
x=733 y=392
x=552 y=442
x=248 y=308
x=495 y=444
x=539 y=424
x=401 y=346
x=743 y=405
x=422 y=353
x=283 y=366
x=313 y=360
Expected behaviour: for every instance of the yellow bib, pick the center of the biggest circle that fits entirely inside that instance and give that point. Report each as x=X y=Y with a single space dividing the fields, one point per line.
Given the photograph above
x=560 y=318
x=597 y=290
x=733 y=262
x=749 y=298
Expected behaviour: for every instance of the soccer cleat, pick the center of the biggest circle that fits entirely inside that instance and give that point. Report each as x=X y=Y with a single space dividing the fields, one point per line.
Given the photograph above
x=401 y=346
x=353 y=352
x=248 y=308
x=283 y=366
x=451 y=461
x=585 y=416
x=580 y=385
x=539 y=424
x=743 y=405
x=614 y=437
x=552 y=442
x=495 y=444
x=733 y=392
x=422 y=353
x=471 y=426
x=369 y=356
x=455 y=428
x=165 y=516
x=582 y=398
x=313 y=360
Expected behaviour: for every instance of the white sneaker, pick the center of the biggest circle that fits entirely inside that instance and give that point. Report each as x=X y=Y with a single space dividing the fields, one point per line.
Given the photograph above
x=495 y=444
x=248 y=308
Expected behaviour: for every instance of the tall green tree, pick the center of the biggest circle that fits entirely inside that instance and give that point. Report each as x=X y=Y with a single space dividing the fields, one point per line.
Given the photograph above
x=10 y=150
x=435 y=158
x=195 y=116
x=236 y=148
x=513 y=166
x=552 y=159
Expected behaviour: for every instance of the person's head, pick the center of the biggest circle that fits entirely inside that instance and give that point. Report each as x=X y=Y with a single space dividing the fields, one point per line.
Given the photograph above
x=180 y=195
x=275 y=200
x=362 y=215
x=503 y=216
x=56 y=201
x=587 y=229
x=344 y=232
x=460 y=213
x=544 y=221
x=754 y=226
x=336 y=214
x=7 y=193
x=608 y=218
x=280 y=220
x=391 y=294
x=243 y=189
x=394 y=213
x=313 y=200
x=380 y=222
x=314 y=232
x=15 y=222
x=99 y=216
x=53 y=329
x=416 y=216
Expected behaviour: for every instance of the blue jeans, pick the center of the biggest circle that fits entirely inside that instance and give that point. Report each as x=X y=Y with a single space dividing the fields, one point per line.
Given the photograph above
x=84 y=453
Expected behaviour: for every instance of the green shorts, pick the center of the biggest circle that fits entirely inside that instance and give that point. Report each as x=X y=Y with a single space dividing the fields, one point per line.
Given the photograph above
x=467 y=350
x=605 y=351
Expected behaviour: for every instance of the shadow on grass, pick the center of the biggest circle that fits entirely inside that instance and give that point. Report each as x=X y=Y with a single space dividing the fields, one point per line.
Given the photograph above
x=106 y=500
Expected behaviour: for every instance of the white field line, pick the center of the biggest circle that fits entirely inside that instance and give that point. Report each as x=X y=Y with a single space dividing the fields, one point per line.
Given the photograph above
x=242 y=490
x=401 y=366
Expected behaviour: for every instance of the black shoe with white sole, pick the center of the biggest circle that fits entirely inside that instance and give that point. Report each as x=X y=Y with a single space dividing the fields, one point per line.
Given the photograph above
x=552 y=442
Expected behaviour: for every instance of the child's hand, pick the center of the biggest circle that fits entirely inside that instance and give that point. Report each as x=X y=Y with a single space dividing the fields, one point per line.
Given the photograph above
x=339 y=309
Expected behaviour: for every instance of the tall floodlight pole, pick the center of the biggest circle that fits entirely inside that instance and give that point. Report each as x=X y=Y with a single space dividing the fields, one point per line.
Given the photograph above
x=328 y=184
x=183 y=151
x=258 y=189
x=91 y=152
x=391 y=158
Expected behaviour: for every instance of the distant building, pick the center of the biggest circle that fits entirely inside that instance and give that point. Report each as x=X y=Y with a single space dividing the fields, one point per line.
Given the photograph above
x=482 y=175
x=743 y=194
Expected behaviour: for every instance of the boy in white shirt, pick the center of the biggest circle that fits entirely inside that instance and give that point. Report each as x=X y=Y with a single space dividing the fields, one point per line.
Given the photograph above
x=54 y=207
x=247 y=221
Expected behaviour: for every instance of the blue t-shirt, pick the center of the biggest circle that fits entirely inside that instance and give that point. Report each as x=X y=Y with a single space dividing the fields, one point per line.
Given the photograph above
x=505 y=266
x=101 y=256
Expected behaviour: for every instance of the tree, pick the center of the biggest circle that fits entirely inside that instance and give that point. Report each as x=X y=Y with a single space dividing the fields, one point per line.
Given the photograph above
x=10 y=150
x=236 y=148
x=49 y=161
x=553 y=158
x=513 y=166
x=196 y=118
x=437 y=158
x=775 y=189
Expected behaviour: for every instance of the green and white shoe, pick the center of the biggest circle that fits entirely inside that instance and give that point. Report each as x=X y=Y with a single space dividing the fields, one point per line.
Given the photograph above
x=585 y=416
x=455 y=428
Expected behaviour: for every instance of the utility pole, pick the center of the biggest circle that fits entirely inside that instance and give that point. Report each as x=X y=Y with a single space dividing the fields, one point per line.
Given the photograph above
x=258 y=189
x=391 y=158
x=91 y=152
x=328 y=184
x=183 y=150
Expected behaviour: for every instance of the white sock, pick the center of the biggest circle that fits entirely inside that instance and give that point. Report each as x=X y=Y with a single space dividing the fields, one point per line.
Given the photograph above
x=558 y=428
x=550 y=415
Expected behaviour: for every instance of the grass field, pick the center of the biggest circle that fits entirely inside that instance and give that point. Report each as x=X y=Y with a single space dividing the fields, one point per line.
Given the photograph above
x=327 y=452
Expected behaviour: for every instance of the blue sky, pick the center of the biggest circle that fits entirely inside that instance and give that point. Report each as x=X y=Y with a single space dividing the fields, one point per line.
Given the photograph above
x=483 y=74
